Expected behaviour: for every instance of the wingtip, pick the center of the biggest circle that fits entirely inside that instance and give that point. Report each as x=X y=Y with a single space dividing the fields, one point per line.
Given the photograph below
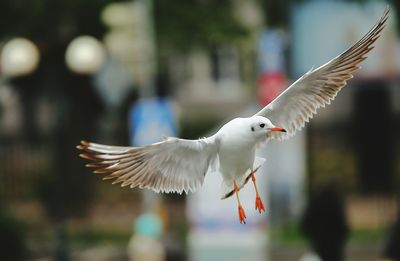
x=97 y=164
x=102 y=171
x=80 y=147
x=386 y=12
x=84 y=145
x=84 y=156
x=87 y=156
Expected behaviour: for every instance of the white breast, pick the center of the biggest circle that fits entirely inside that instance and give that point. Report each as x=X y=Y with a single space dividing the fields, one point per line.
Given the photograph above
x=236 y=150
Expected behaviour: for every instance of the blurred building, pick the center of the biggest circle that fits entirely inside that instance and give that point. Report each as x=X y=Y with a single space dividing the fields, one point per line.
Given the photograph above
x=343 y=147
x=220 y=80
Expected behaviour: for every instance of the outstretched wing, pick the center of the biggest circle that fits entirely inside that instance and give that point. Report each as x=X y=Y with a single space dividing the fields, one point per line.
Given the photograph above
x=174 y=165
x=294 y=107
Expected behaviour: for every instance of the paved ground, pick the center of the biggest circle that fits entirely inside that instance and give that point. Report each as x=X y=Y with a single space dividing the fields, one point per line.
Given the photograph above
x=353 y=253
x=108 y=253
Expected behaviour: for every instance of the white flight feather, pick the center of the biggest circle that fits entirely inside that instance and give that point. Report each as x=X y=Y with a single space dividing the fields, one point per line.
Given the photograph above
x=294 y=107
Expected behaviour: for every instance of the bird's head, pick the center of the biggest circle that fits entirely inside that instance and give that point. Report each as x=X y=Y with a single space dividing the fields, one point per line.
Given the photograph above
x=261 y=126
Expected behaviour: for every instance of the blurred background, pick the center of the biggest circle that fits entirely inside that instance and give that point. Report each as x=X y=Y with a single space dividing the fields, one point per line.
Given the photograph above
x=130 y=72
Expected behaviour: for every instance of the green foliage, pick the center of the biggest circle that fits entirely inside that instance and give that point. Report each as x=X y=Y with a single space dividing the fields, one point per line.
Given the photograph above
x=199 y=126
x=183 y=24
x=90 y=237
x=277 y=12
x=367 y=236
x=288 y=236
x=50 y=19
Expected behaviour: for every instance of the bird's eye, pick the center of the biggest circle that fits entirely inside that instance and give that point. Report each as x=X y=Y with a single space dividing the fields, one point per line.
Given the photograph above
x=262 y=125
x=252 y=128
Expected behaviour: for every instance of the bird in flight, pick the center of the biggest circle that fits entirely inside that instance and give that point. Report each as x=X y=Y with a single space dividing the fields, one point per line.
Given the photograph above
x=180 y=165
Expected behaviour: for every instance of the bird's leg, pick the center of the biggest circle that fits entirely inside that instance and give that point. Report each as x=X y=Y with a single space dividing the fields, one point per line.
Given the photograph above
x=259 y=204
x=242 y=215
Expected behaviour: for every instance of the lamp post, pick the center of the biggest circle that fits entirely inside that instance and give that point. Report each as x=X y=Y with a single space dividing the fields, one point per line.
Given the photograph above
x=19 y=57
x=77 y=108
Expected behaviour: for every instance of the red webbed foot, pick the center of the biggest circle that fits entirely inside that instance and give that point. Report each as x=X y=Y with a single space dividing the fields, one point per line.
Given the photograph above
x=242 y=215
x=259 y=204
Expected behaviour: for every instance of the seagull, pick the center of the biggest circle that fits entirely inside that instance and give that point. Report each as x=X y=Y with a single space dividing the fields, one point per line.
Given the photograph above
x=179 y=165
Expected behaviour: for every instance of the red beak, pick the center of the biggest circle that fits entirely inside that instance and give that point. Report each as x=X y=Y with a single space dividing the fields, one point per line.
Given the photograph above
x=277 y=129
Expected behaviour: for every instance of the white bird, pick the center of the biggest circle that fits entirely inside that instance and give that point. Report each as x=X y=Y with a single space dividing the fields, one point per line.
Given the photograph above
x=180 y=165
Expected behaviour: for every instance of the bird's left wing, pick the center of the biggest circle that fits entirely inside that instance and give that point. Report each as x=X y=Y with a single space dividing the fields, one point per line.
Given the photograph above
x=174 y=165
x=293 y=108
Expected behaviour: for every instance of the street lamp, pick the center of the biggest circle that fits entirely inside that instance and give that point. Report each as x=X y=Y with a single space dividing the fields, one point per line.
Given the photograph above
x=19 y=57
x=85 y=55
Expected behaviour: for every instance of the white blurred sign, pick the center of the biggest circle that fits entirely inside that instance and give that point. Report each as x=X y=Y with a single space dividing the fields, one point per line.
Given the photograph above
x=216 y=233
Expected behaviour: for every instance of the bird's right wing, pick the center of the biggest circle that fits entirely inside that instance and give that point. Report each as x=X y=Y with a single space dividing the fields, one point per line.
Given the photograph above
x=293 y=108
x=174 y=165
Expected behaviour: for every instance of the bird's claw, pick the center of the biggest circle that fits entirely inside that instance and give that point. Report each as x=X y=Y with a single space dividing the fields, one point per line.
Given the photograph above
x=242 y=215
x=259 y=205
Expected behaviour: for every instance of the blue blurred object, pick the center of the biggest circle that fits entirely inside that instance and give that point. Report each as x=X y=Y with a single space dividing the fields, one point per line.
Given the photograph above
x=148 y=225
x=271 y=52
x=150 y=120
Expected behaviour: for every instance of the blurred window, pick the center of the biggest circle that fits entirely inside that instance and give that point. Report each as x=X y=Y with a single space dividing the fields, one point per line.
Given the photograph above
x=224 y=64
